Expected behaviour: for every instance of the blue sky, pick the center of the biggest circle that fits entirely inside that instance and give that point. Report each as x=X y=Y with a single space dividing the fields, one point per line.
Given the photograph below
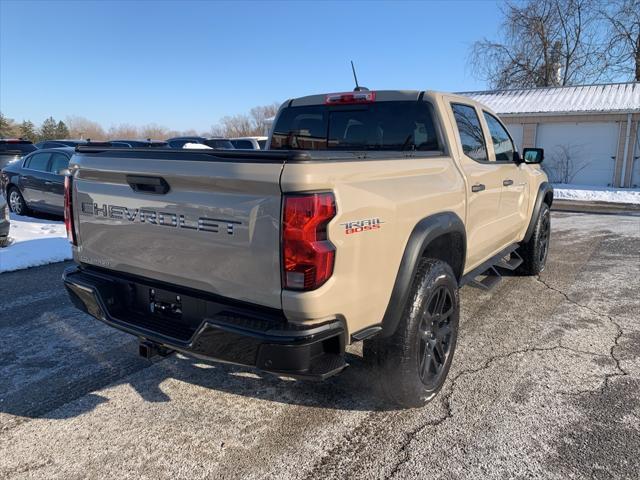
x=186 y=64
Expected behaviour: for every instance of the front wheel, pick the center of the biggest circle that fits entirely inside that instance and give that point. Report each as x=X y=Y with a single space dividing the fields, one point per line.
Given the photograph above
x=534 y=252
x=415 y=360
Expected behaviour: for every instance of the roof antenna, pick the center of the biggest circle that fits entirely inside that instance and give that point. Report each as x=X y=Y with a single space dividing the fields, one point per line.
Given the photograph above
x=355 y=77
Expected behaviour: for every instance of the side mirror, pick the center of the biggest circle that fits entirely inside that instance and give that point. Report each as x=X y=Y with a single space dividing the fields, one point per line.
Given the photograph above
x=65 y=172
x=533 y=155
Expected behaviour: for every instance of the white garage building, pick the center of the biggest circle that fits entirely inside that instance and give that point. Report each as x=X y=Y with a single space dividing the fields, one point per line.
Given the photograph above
x=589 y=133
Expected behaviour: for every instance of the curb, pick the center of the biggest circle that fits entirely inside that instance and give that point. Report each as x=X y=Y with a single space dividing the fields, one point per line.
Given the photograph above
x=595 y=207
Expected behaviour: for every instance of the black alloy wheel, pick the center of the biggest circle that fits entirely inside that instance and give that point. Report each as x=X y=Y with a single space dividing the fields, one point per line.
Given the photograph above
x=435 y=336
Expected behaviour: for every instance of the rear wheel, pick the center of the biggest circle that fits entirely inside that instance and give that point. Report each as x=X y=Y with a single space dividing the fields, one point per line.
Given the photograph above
x=16 y=202
x=415 y=360
x=534 y=252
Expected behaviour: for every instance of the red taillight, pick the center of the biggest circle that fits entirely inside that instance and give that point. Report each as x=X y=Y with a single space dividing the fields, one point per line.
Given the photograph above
x=350 y=97
x=68 y=211
x=307 y=254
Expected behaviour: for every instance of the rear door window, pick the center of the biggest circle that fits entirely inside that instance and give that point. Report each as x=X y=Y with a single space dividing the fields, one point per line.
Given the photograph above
x=59 y=161
x=390 y=126
x=470 y=130
x=38 y=161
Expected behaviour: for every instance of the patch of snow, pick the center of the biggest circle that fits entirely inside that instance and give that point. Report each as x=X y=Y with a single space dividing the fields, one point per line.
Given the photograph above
x=35 y=242
x=196 y=146
x=593 y=193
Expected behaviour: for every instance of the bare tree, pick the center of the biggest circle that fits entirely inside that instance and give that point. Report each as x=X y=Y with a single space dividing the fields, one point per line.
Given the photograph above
x=154 y=131
x=243 y=125
x=565 y=164
x=80 y=127
x=259 y=116
x=544 y=43
x=622 y=19
x=123 y=131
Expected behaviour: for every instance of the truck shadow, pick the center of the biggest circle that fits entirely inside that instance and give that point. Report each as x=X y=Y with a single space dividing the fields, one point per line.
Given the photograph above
x=93 y=377
x=356 y=388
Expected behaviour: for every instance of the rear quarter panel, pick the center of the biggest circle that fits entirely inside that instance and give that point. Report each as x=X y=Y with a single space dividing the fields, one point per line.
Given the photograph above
x=398 y=193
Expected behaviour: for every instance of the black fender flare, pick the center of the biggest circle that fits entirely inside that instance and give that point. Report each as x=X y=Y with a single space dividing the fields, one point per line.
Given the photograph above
x=426 y=231
x=545 y=189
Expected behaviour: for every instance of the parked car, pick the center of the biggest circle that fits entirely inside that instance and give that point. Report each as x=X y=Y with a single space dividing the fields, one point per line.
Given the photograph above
x=212 y=142
x=249 y=143
x=360 y=223
x=4 y=223
x=61 y=143
x=148 y=143
x=13 y=149
x=37 y=182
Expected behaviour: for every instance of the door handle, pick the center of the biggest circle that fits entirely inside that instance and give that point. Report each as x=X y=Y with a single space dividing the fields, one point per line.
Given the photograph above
x=478 y=187
x=507 y=182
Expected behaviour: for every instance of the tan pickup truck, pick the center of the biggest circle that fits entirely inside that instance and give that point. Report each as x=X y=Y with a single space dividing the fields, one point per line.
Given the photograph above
x=360 y=221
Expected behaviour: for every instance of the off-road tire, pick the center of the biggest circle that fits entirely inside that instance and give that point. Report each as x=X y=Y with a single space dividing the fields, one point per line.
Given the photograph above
x=423 y=337
x=16 y=201
x=534 y=252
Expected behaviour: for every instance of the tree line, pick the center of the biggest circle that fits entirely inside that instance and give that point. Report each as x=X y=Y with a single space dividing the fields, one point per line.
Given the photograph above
x=253 y=123
x=546 y=43
x=49 y=129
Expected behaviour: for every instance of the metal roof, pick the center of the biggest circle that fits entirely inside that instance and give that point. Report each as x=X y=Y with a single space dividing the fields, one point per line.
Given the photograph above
x=605 y=98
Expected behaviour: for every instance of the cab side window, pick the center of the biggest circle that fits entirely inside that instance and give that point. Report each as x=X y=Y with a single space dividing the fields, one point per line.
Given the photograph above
x=470 y=131
x=502 y=143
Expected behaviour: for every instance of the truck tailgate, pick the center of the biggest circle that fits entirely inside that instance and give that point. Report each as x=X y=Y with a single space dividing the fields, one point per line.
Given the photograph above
x=207 y=223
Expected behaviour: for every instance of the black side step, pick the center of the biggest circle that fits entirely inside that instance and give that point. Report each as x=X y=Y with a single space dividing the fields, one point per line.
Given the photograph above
x=491 y=278
x=507 y=259
x=511 y=263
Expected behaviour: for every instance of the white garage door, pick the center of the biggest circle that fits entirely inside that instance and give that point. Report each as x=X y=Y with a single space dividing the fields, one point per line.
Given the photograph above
x=516 y=131
x=581 y=153
x=635 y=173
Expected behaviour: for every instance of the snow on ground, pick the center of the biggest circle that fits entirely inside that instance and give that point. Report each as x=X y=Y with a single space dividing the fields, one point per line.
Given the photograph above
x=592 y=193
x=35 y=242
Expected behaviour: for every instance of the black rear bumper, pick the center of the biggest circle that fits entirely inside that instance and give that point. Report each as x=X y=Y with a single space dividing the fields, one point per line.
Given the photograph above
x=208 y=326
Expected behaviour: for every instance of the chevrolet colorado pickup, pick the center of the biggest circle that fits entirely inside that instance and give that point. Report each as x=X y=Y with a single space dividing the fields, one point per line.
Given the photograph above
x=359 y=222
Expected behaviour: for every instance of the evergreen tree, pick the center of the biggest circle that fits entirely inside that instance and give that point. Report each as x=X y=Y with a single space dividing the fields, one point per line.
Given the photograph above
x=28 y=130
x=49 y=129
x=61 y=130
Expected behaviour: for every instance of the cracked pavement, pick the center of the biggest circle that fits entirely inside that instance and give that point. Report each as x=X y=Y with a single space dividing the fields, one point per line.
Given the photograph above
x=545 y=383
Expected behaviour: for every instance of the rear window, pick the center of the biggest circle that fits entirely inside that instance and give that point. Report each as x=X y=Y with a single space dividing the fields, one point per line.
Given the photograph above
x=20 y=146
x=219 y=144
x=376 y=126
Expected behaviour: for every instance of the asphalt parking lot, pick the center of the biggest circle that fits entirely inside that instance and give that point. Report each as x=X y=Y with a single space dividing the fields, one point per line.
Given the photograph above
x=545 y=384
